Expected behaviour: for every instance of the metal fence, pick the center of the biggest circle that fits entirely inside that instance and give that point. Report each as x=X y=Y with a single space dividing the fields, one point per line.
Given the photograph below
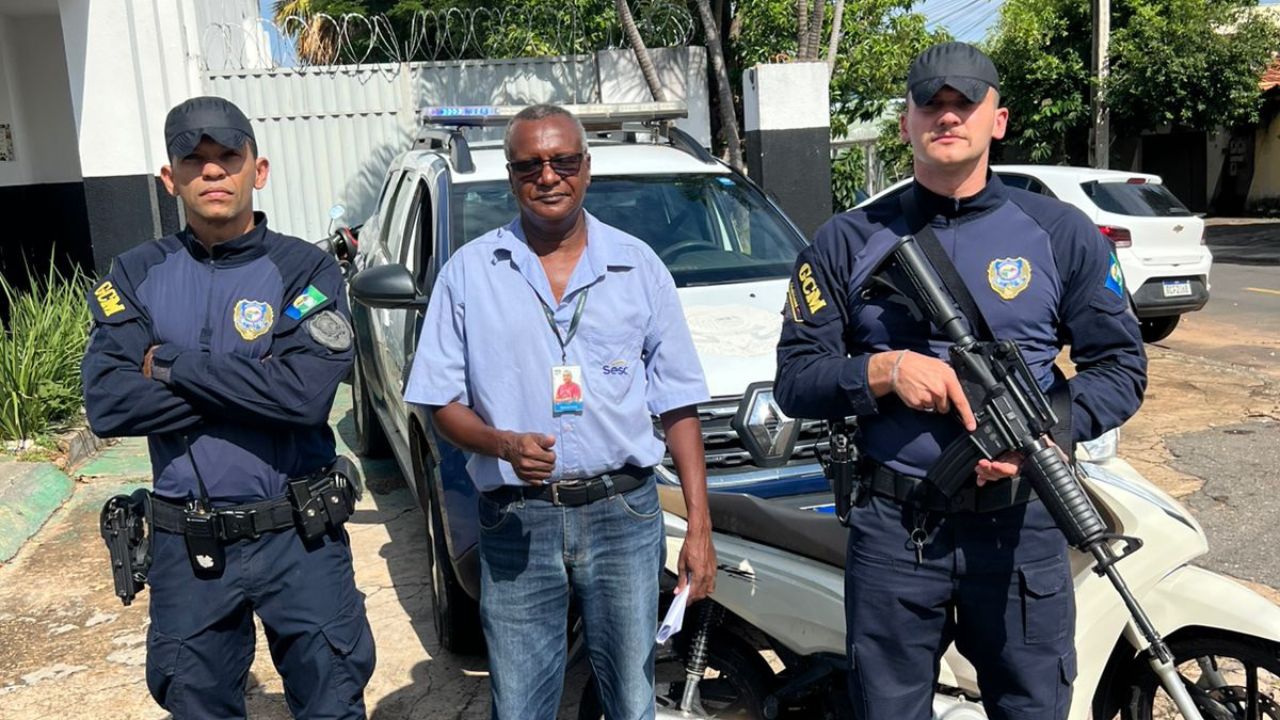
x=456 y=33
x=331 y=132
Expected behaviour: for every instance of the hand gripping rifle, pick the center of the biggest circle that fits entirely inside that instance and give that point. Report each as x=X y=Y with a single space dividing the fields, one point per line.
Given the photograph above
x=1013 y=414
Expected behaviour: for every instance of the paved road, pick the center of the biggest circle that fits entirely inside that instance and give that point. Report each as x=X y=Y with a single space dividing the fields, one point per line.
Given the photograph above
x=1238 y=505
x=1241 y=323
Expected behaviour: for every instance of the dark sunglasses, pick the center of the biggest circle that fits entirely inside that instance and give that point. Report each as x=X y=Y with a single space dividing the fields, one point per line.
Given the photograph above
x=562 y=165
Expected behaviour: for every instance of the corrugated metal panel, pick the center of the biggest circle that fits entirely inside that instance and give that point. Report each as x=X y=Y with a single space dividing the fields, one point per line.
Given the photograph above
x=331 y=132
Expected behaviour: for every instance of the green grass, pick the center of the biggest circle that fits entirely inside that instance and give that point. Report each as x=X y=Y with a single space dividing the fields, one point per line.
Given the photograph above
x=40 y=352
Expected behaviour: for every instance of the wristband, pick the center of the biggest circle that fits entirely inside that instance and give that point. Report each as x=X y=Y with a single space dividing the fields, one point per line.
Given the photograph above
x=893 y=373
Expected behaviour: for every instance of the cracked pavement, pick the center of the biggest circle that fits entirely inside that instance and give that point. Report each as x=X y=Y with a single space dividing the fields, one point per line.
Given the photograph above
x=67 y=645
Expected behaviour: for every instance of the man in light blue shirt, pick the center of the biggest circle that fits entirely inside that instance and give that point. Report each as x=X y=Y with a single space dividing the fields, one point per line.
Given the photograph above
x=547 y=346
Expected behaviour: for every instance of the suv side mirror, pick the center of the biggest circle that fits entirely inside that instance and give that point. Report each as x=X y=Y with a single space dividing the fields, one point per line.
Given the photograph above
x=389 y=287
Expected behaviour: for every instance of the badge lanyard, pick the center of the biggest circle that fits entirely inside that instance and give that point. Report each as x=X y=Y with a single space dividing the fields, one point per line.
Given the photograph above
x=573 y=324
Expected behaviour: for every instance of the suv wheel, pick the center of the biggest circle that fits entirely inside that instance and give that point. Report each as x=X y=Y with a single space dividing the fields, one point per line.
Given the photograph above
x=371 y=441
x=455 y=614
x=1158 y=328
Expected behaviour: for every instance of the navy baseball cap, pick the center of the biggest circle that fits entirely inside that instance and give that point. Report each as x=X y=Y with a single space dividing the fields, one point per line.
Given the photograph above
x=213 y=117
x=956 y=65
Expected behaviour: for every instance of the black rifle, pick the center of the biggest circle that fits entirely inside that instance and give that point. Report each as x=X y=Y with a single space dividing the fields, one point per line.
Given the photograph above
x=125 y=524
x=1013 y=414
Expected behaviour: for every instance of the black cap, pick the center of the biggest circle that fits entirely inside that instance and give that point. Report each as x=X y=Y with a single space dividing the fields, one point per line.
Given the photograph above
x=213 y=117
x=954 y=64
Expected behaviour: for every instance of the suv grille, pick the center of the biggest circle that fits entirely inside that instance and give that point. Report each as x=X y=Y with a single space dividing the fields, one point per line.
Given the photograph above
x=725 y=453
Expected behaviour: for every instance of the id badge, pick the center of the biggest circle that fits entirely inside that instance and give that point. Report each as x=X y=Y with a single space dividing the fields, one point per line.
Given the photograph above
x=566 y=390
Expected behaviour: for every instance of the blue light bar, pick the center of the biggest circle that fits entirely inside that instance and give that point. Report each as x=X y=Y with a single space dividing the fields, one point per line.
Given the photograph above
x=592 y=115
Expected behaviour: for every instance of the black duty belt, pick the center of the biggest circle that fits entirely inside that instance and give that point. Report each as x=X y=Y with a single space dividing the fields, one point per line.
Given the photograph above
x=573 y=493
x=919 y=492
x=249 y=520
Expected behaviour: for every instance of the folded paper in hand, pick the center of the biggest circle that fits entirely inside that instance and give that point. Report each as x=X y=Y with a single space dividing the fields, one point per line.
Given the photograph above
x=674 y=620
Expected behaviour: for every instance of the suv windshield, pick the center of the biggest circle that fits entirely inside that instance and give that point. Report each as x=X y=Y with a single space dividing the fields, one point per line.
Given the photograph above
x=1141 y=199
x=708 y=229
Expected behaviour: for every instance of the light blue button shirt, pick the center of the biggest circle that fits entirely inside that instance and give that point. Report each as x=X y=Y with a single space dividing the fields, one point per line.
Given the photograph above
x=486 y=343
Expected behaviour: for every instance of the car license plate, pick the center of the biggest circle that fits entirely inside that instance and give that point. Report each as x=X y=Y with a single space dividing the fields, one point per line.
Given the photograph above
x=1177 y=288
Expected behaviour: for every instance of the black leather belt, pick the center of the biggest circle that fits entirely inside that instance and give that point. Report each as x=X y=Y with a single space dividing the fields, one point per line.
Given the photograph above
x=919 y=492
x=238 y=522
x=574 y=493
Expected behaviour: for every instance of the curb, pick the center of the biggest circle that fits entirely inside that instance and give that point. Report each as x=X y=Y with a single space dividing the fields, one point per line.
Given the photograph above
x=79 y=445
x=29 y=494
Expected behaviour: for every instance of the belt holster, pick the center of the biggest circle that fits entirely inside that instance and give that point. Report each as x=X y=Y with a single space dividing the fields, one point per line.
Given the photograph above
x=844 y=473
x=126 y=526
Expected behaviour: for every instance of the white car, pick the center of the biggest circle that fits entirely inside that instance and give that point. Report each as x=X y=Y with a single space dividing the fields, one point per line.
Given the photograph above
x=1159 y=242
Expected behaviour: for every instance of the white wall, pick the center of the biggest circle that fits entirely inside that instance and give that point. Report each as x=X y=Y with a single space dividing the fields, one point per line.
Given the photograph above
x=49 y=130
x=35 y=102
x=11 y=172
x=128 y=62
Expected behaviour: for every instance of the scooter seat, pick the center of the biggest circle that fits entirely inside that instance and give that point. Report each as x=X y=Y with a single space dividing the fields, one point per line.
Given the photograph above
x=817 y=536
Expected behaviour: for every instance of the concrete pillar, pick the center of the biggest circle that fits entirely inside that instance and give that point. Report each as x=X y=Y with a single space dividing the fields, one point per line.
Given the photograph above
x=128 y=62
x=788 y=124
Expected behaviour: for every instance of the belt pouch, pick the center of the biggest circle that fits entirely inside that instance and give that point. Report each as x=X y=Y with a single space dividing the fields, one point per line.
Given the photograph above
x=309 y=511
x=204 y=548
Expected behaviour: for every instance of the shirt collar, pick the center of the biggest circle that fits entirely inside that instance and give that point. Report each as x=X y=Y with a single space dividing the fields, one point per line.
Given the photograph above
x=931 y=204
x=603 y=251
x=244 y=248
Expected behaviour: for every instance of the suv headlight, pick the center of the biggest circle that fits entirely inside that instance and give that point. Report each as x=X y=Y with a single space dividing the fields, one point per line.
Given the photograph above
x=766 y=432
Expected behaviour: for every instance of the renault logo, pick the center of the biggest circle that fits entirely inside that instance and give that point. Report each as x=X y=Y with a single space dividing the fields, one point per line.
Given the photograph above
x=765 y=431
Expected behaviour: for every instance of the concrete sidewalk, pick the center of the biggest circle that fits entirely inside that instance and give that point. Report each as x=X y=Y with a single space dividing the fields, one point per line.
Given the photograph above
x=29 y=495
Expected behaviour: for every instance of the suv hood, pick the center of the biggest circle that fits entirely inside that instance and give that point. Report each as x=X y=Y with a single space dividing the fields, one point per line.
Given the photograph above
x=735 y=330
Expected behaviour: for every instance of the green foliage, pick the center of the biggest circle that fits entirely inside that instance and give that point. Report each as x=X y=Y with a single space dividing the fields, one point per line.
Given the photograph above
x=879 y=39
x=466 y=28
x=1179 y=63
x=40 y=353
x=893 y=153
x=848 y=176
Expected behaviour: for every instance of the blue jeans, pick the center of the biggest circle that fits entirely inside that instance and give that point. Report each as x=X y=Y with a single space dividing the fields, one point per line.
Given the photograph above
x=532 y=554
x=998 y=584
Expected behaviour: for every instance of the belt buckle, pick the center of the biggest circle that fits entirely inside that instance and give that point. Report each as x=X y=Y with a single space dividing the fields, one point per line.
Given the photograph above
x=566 y=484
x=240 y=520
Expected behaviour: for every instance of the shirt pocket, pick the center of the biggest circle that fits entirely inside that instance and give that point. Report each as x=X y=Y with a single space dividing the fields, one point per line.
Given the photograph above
x=614 y=362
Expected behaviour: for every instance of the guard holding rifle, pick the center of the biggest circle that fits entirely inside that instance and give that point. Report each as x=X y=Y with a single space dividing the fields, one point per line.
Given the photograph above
x=224 y=344
x=945 y=544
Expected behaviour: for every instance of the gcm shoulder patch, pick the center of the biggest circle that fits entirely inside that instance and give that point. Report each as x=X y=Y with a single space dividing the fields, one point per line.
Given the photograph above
x=804 y=295
x=330 y=329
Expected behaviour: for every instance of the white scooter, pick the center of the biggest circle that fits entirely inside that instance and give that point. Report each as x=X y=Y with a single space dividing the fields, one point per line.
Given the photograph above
x=770 y=643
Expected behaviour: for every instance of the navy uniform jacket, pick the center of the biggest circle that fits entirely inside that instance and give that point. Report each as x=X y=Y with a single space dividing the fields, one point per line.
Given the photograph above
x=246 y=368
x=1040 y=272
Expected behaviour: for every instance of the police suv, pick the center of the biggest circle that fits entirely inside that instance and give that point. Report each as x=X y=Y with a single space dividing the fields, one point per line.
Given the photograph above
x=728 y=247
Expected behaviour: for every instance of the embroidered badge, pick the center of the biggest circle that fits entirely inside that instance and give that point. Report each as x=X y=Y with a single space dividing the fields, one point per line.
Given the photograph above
x=1115 y=277
x=252 y=319
x=809 y=286
x=331 y=330
x=108 y=299
x=309 y=300
x=1009 y=276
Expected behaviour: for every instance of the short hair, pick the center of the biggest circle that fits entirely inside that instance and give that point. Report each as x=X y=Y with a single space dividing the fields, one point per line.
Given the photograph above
x=541 y=111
